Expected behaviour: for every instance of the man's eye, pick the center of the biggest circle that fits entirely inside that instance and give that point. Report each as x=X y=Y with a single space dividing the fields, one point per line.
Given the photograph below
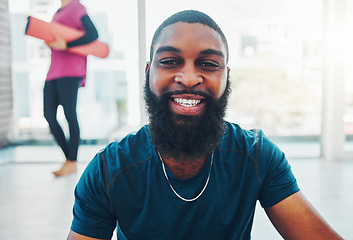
x=210 y=66
x=168 y=62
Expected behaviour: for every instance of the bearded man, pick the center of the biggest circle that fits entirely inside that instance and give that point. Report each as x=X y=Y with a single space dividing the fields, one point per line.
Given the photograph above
x=189 y=174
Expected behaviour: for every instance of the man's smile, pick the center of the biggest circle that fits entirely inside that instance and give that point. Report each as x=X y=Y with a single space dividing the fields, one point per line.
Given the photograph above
x=187 y=104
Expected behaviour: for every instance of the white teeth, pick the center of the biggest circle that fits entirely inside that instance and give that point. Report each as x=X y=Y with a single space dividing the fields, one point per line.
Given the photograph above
x=187 y=102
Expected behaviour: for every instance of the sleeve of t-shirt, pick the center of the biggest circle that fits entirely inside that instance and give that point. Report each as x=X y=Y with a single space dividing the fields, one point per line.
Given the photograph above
x=278 y=179
x=90 y=35
x=93 y=215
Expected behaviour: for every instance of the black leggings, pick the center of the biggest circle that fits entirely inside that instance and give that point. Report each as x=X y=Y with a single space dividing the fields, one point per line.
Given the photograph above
x=63 y=91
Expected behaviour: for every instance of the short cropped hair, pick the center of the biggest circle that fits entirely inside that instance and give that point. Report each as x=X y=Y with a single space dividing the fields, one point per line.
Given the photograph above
x=188 y=16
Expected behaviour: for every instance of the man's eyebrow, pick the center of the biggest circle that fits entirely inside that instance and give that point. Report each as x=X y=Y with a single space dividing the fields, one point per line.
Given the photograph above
x=176 y=50
x=167 y=49
x=212 y=52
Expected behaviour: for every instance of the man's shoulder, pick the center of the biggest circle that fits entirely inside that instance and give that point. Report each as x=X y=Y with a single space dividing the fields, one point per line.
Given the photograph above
x=133 y=148
x=234 y=130
x=133 y=141
x=237 y=137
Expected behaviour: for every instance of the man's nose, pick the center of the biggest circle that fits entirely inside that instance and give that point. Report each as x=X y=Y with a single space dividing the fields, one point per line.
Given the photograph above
x=189 y=77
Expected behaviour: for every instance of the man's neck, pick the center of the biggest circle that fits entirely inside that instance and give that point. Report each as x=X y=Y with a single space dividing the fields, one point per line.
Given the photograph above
x=185 y=168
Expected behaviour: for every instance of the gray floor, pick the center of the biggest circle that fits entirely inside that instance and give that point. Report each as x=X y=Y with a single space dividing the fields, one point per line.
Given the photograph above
x=36 y=205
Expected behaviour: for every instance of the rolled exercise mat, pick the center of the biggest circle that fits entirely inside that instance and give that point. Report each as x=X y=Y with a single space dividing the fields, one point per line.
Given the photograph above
x=44 y=30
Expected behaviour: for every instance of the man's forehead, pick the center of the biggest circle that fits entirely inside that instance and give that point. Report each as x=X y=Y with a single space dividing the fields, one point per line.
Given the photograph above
x=181 y=32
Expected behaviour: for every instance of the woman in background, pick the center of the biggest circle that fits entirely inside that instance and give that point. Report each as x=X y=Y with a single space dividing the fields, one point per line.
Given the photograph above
x=66 y=74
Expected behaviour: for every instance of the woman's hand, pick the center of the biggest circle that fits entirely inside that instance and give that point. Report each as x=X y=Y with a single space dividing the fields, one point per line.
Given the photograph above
x=58 y=44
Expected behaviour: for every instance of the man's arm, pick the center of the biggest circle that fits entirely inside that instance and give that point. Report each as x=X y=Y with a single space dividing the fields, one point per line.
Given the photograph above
x=76 y=236
x=294 y=218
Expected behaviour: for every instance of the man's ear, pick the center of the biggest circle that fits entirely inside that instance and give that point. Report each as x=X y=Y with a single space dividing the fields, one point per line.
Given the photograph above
x=148 y=64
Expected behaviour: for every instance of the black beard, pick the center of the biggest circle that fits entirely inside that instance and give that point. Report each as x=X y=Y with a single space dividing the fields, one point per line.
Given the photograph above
x=195 y=136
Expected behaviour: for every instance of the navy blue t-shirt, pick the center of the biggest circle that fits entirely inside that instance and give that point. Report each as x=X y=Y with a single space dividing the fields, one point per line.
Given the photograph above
x=124 y=187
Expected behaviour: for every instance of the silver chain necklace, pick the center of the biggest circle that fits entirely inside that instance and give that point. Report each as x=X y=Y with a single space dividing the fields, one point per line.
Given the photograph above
x=170 y=185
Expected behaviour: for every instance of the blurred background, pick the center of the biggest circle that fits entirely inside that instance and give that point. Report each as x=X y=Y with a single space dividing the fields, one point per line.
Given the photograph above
x=291 y=71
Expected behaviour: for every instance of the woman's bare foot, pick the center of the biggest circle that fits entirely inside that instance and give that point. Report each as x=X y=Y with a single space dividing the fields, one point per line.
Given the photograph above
x=67 y=168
